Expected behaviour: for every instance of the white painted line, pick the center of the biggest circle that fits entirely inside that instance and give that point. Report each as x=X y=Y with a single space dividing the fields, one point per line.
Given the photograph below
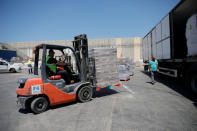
x=109 y=123
x=127 y=88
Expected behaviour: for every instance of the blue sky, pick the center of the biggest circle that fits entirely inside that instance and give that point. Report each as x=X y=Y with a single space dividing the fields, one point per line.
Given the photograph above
x=42 y=20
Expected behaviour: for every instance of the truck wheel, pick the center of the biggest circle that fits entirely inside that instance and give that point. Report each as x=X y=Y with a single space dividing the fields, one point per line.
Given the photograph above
x=193 y=83
x=12 y=70
x=39 y=105
x=85 y=94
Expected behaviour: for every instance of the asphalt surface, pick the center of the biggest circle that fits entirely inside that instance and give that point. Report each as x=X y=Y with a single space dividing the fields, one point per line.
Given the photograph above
x=135 y=106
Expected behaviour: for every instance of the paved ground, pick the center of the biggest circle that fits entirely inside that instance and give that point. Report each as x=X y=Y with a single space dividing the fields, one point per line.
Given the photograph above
x=135 y=106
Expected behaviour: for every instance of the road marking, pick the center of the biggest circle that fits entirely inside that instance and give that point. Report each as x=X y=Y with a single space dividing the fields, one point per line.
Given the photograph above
x=109 y=123
x=127 y=88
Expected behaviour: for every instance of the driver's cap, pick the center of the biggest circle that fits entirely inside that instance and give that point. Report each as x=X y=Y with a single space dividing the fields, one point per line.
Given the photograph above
x=51 y=51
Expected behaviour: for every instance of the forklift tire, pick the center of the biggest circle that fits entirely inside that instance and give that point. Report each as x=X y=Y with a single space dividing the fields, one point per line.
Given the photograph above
x=85 y=94
x=39 y=105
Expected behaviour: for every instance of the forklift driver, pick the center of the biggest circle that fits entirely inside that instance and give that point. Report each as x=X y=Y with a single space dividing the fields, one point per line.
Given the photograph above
x=52 y=65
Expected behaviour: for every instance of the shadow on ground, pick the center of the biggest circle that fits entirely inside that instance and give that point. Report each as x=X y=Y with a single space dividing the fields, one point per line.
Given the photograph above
x=63 y=105
x=104 y=92
x=195 y=104
x=176 y=85
x=24 y=111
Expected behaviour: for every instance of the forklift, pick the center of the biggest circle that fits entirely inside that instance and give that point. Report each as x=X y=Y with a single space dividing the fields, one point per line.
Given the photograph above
x=38 y=92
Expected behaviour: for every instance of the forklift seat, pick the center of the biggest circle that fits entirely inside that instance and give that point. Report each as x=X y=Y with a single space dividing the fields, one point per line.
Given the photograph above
x=49 y=72
x=56 y=80
x=51 y=75
x=55 y=77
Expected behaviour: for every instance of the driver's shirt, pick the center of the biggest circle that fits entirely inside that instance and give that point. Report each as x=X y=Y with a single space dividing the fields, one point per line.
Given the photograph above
x=52 y=61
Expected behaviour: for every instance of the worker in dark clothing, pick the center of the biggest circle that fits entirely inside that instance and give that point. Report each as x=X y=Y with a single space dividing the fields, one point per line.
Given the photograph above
x=52 y=65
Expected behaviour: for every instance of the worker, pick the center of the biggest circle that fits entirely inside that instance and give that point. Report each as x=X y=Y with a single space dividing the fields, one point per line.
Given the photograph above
x=153 y=68
x=52 y=64
x=29 y=66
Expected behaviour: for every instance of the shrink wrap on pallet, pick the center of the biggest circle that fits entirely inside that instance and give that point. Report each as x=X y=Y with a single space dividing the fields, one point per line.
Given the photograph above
x=106 y=69
x=125 y=68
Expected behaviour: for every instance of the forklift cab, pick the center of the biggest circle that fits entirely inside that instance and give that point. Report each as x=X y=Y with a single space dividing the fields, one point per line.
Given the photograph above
x=63 y=54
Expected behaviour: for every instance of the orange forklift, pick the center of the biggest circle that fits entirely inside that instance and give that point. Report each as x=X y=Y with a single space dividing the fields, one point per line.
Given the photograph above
x=42 y=89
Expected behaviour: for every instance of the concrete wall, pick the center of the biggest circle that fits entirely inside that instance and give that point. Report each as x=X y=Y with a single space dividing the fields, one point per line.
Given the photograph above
x=126 y=47
x=137 y=49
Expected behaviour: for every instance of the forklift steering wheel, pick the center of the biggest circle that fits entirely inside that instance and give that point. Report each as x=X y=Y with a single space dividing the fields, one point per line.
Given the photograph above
x=63 y=58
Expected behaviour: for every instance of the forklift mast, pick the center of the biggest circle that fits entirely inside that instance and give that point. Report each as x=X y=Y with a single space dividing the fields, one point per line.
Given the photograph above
x=80 y=45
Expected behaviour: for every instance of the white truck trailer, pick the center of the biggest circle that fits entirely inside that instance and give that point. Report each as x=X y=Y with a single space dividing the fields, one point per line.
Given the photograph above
x=174 y=43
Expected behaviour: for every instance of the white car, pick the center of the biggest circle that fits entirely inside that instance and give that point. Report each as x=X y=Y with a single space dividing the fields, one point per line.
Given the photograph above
x=7 y=67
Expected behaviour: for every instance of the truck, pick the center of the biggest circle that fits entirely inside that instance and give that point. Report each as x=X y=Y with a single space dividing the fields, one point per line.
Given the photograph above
x=7 y=54
x=174 y=43
x=45 y=88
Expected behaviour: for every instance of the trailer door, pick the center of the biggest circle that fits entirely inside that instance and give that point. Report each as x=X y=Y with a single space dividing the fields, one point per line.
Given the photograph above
x=165 y=37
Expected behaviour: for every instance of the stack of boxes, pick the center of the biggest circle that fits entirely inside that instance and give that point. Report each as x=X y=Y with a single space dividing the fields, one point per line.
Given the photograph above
x=106 y=68
x=125 y=68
